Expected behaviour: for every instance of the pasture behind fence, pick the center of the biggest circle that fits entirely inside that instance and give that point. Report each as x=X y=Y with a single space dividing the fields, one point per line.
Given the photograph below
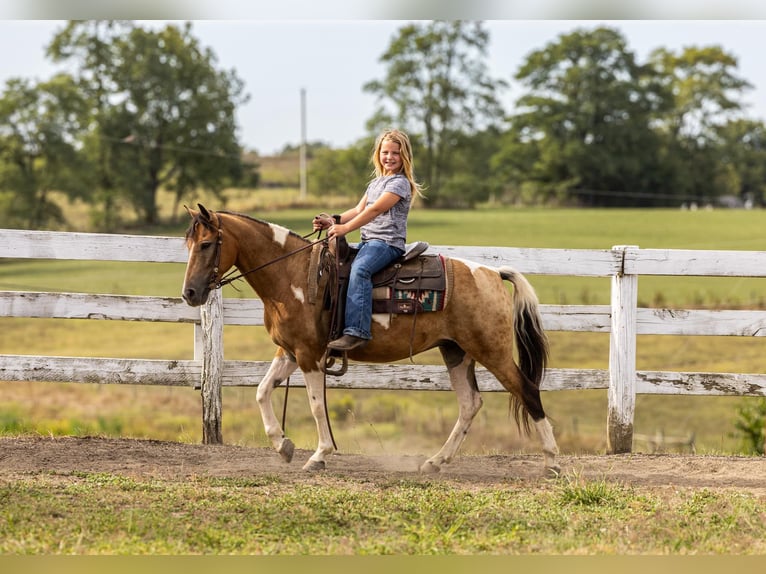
x=209 y=369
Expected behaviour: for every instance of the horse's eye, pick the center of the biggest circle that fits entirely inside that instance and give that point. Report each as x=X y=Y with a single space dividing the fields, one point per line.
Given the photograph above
x=204 y=245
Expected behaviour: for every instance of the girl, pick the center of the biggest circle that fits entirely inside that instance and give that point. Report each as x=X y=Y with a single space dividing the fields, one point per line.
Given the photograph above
x=382 y=217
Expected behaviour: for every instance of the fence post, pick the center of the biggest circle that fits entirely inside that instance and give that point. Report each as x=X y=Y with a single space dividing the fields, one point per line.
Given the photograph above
x=211 y=322
x=622 y=357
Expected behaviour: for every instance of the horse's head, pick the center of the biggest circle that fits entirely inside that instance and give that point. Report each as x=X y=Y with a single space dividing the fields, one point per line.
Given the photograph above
x=208 y=257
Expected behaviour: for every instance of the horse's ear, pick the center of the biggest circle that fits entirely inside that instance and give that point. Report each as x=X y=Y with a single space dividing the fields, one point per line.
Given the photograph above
x=189 y=211
x=205 y=213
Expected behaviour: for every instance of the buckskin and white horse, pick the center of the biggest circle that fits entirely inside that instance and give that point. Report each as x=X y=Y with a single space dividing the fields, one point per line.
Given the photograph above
x=478 y=323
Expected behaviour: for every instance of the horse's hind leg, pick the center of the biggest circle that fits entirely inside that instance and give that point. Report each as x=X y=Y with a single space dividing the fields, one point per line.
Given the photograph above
x=527 y=394
x=532 y=403
x=281 y=367
x=463 y=379
x=550 y=448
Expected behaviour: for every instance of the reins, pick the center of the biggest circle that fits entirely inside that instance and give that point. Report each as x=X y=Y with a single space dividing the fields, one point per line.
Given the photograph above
x=230 y=277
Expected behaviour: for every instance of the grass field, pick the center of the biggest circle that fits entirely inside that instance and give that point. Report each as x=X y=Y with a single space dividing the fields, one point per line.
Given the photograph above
x=97 y=513
x=364 y=419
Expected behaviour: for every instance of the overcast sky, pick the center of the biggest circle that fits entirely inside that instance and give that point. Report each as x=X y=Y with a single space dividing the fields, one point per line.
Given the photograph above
x=333 y=59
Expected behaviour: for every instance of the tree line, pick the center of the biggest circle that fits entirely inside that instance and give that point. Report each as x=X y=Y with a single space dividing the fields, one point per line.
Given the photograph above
x=593 y=127
x=142 y=110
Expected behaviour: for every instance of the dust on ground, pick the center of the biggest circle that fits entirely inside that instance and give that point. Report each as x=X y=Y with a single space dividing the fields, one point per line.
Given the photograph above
x=151 y=459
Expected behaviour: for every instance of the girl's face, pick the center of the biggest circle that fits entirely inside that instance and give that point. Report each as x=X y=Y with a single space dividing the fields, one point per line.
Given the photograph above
x=390 y=157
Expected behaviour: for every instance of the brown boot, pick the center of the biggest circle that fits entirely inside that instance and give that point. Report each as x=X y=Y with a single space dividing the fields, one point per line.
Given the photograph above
x=347 y=343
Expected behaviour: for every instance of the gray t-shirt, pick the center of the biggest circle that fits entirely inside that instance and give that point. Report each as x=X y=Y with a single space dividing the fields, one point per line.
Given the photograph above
x=390 y=226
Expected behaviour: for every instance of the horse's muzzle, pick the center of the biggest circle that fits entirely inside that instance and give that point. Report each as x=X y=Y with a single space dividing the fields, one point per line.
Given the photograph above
x=194 y=297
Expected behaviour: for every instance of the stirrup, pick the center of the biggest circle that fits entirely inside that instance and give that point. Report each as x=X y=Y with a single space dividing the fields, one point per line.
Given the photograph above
x=329 y=361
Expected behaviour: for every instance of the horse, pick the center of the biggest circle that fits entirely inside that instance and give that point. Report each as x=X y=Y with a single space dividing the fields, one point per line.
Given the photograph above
x=480 y=323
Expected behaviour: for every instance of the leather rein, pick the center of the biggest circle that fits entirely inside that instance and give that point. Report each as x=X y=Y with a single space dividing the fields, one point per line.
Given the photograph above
x=232 y=276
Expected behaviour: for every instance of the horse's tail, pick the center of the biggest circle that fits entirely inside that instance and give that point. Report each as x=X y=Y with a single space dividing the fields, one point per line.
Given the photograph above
x=531 y=340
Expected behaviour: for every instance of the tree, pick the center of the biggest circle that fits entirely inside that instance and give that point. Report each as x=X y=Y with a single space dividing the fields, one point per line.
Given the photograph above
x=438 y=88
x=583 y=130
x=39 y=151
x=342 y=172
x=91 y=44
x=704 y=90
x=741 y=152
x=169 y=120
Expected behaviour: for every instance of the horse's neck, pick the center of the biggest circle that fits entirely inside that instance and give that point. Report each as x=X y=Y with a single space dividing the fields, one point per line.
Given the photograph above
x=261 y=243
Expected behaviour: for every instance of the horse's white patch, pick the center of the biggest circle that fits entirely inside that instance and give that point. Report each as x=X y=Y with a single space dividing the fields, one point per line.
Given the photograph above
x=473 y=266
x=298 y=292
x=280 y=233
x=382 y=319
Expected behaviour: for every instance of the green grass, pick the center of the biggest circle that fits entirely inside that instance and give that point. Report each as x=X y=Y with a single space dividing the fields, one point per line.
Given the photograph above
x=367 y=419
x=93 y=513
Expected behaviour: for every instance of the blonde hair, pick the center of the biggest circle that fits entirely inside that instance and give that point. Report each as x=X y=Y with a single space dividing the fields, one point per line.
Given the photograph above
x=405 y=151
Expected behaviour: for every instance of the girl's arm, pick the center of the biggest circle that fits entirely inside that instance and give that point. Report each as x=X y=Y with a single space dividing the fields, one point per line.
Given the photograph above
x=360 y=215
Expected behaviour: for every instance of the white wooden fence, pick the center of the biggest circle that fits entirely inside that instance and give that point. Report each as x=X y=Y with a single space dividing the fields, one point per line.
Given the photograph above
x=622 y=319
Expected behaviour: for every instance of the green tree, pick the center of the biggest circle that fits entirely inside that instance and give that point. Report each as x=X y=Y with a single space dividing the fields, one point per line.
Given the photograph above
x=438 y=88
x=705 y=90
x=341 y=171
x=91 y=45
x=39 y=152
x=583 y=130
x=742 y=154
x=472 y=179
x=170 y=116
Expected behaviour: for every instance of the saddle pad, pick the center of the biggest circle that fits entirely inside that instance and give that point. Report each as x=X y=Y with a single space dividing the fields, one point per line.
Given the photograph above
x=414 y=294
x=406 y=302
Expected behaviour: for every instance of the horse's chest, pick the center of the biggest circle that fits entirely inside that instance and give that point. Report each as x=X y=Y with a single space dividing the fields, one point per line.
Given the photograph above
x=285 y=320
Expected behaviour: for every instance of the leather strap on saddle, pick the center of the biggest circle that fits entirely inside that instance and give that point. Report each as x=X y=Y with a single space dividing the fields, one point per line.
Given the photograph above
x=413 y=274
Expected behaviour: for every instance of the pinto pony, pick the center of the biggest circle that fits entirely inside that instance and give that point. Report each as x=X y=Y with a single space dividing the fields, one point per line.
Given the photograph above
x=480 y=323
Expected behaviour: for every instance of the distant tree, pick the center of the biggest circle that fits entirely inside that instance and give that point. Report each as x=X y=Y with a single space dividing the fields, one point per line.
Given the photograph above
x=583 y=131
x=341 y=171
x=170 y=116
x=472 y=179
x=39 y=151
x=437 y=87
x=91 y=44
x=741 y=150
x=704 y=90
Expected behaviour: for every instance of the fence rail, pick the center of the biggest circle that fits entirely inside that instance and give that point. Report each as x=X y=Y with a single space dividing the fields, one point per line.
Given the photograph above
x=208 y=370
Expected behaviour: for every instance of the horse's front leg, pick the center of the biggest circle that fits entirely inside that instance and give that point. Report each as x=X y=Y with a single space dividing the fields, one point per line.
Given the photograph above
x=315 y=381
x=281 y=367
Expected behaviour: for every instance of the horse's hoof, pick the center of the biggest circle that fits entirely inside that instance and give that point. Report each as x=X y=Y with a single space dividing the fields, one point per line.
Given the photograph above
x=552 y=471
x=429 y=467
x=286 y=450
x=314 y=465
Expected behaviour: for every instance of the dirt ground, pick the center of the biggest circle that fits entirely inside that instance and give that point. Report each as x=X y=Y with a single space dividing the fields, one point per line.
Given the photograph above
x=147 y=459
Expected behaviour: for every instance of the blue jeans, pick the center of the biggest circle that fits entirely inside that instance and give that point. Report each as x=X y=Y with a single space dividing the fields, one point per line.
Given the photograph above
x=373 y=256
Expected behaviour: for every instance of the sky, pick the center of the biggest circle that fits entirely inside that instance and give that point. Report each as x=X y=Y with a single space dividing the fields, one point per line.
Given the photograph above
x=331 y=59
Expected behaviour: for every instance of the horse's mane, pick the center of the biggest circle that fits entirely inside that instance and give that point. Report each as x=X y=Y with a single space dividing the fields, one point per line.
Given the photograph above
x=199 y=220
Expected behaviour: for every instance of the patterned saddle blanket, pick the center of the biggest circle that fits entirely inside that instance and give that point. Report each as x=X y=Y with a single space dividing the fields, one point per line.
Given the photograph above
x=414 y=283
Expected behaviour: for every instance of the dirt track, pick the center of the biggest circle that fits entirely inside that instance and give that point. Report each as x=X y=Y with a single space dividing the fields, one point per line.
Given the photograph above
x=173 y=461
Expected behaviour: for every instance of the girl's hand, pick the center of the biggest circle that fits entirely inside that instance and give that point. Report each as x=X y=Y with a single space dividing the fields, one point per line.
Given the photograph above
x=337 y=230
x=322 y=221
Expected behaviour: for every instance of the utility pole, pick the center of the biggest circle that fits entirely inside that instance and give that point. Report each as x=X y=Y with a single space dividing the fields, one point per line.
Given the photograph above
x=303 y=193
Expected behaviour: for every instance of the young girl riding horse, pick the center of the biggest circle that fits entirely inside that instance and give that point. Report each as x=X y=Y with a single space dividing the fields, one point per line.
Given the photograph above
x=381 y=215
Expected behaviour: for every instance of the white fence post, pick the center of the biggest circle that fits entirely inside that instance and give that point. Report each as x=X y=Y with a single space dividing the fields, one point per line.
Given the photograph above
x=211 y=319
x=622 y=357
